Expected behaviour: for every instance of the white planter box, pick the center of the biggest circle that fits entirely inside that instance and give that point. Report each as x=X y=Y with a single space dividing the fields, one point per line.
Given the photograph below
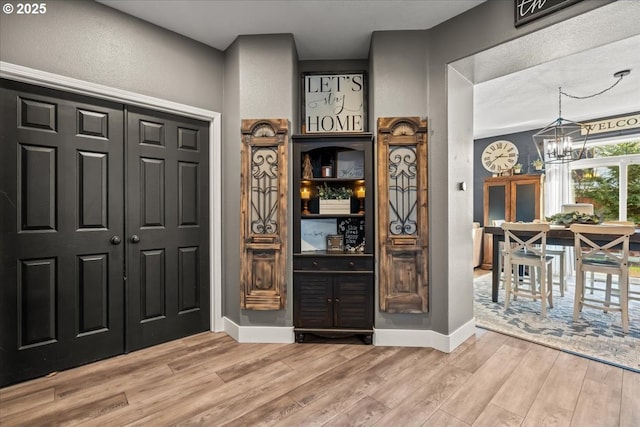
x=335 y=206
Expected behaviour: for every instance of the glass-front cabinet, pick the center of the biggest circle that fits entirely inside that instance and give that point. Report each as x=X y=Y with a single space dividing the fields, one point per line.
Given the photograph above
x=333 y=240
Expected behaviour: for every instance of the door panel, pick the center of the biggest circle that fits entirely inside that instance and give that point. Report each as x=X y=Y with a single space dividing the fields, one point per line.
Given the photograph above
x=314 y=306
x=403 y=213
x=167 y=212
x=353 y=305
x=61 y=202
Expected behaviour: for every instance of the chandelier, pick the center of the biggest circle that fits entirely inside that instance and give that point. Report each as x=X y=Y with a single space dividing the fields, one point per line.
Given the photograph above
x=563 y=141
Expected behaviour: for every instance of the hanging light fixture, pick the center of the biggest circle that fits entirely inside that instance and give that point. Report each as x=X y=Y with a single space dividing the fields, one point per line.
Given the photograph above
x=563 y=141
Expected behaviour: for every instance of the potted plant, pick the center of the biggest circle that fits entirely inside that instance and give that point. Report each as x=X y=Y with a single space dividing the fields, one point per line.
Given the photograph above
x=334 y=200
x=517 y=168
x=537 y=164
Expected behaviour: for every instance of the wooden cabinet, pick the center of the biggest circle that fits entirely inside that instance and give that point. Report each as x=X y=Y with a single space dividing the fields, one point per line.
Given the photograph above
x=333 y=291
x=510 y=198
x=333 y=302
x=513 y=198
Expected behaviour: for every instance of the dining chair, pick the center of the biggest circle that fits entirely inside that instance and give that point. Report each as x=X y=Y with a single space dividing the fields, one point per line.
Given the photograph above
x=528 y=250
x=634 y=261
x=603 y=249
x=560 y=253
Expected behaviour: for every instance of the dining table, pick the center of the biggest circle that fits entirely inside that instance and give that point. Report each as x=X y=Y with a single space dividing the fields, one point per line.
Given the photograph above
x=558 y=235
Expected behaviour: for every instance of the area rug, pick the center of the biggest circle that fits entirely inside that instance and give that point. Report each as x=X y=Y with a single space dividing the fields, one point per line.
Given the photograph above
x=596 y=335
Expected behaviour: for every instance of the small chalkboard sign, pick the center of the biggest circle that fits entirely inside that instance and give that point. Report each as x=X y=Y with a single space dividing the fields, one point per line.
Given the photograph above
x=353 y=231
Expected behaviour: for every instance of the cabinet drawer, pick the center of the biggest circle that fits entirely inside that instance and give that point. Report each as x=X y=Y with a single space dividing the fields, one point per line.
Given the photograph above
x=329 y=263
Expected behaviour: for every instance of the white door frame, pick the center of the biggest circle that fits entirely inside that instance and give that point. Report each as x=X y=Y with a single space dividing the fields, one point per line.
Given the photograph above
x=82 y=87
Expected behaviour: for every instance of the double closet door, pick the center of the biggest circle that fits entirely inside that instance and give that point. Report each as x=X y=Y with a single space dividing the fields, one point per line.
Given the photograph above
x=104 y=229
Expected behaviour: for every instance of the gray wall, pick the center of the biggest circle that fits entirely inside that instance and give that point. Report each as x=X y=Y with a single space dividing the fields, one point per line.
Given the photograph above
x=398 y=84
x=92 y=42
x=261 y=82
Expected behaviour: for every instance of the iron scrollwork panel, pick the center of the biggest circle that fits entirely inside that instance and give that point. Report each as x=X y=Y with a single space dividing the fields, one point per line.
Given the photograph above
x=264 y=190
x=403 y=186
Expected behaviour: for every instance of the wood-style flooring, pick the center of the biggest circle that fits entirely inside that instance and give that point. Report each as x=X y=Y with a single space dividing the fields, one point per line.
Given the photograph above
x=209 y=379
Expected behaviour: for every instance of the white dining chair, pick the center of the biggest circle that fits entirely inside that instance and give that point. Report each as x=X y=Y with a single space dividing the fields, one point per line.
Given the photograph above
x=606 y=253
x=528 y=249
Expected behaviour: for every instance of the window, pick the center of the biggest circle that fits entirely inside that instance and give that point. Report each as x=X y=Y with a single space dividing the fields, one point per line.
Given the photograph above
x=609 y=179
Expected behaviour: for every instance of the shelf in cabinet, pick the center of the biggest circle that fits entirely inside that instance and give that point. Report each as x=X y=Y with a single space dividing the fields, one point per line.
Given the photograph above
x=305 y=180
x=332 y=216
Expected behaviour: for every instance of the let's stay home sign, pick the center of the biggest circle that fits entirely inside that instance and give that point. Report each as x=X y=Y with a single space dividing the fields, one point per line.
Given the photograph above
x=334 y=102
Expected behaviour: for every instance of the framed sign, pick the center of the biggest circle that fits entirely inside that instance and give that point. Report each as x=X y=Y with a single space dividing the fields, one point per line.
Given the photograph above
x=335 y=243
x=314 y=232
x=529 y=10
x=353 y=231
x=350 y=164
x=334 y=102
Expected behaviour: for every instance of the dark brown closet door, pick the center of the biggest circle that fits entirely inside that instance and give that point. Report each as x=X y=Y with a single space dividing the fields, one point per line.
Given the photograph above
x=61 y=221
x=167 y=227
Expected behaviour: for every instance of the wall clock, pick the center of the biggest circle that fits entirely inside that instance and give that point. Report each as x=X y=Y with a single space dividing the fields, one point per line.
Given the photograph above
x=499 y=156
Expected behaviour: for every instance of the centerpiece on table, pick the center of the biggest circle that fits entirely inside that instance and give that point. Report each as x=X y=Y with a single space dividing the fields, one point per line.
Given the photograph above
x=568 y=218
x=334 y=200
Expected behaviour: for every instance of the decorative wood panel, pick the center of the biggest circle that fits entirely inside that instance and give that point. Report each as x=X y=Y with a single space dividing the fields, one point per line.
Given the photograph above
x=92 y=190
x=38 y=115
x=403 y=214
x=263 y=215
x=188 y=139
x=188 y=279
x=37 y=188
x=152 y=191
x=93 y=303
x=188 y=200
x=37 y=289
x=92 y=123
x=151 y=133
x=152 y=283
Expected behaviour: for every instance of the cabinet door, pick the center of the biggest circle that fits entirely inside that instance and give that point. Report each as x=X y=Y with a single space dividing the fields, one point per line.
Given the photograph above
x=525 y=201
x=353 y=304
x=496 y=202
x=313 y=300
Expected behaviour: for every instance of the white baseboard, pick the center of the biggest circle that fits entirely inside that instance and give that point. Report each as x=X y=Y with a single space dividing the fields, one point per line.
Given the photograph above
x=424 y=338
x=259 y=334
x=381 y=337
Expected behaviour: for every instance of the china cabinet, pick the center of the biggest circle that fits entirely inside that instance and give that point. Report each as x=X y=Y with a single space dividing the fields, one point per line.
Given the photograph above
x=510 y=198
x=333 y=235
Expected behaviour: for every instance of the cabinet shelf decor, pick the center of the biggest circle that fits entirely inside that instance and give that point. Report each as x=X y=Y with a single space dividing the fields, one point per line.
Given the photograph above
x=263 y=214
x=333 y=240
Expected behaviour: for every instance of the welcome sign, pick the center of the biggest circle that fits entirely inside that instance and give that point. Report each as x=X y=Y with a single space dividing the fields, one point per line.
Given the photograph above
x=334 y=102
x=529 y=10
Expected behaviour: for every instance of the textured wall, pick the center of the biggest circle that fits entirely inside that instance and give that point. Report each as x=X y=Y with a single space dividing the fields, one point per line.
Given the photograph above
x=260 y=82
x=92 y=42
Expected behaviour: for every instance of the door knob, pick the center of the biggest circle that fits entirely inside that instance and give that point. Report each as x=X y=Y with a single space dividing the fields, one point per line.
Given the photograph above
x=115 y=240
x=134 y=238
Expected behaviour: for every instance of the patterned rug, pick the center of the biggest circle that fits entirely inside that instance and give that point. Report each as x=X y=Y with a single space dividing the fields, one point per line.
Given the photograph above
x=596 y=335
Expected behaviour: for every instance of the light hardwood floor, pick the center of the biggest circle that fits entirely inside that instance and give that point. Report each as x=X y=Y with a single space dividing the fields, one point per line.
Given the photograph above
x=209 y=379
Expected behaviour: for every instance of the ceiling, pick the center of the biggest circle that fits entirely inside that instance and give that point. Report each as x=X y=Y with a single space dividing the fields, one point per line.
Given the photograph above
x=322 y=29
x=334 y=30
